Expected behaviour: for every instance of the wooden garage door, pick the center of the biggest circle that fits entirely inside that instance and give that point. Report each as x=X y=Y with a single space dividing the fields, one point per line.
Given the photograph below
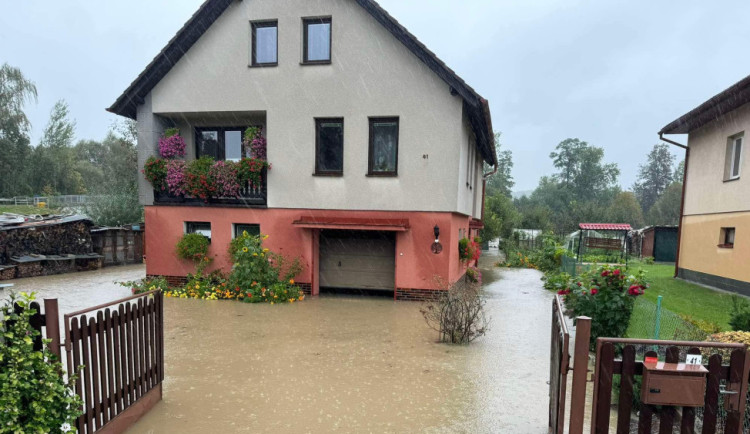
x=357 y=259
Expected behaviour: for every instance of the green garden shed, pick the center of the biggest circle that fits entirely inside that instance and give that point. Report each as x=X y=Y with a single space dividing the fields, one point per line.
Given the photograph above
x=659 y=242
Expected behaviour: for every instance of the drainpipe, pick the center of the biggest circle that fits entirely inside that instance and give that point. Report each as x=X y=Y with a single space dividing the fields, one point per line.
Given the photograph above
x=682 y=200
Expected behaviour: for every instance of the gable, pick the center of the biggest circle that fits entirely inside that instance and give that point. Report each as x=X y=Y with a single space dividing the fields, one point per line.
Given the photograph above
x=475 y=107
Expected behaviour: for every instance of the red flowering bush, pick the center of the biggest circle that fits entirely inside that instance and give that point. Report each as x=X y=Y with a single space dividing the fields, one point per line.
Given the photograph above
x=469 y=250
x=155 y=171
x=198 y=181
x=606 y=295
x=172 y=144
x=249 y=171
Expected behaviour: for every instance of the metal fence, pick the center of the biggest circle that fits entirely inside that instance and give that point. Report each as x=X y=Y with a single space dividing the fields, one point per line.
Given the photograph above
x=62 y=200
x=651 y=321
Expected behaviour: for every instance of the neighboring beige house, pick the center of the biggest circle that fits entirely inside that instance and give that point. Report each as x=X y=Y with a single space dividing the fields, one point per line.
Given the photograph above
x=714 y=240
x=375 y=144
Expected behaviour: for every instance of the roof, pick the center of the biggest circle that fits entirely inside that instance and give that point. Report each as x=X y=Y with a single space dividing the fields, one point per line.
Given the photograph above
x=722 y=103
x=605 y=226
x=353 y=223
x=46 y=221
x=476 y=107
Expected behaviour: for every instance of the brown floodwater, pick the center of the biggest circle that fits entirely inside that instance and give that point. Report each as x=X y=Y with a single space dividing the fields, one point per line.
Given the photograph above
x=354 y=364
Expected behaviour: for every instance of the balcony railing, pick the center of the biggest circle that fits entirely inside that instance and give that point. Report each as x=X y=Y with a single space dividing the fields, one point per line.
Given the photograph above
x=249 y=195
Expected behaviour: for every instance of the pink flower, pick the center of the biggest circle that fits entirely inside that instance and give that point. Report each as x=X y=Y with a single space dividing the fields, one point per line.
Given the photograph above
x=616 y=272
x=594 y=291
x=605 y=273
x=173 y=146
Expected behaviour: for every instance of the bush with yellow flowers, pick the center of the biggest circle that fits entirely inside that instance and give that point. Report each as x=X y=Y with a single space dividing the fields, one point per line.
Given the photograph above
x=259 y=275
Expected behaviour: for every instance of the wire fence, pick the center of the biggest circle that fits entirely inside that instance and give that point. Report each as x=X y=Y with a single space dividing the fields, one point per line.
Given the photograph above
x=651 y=321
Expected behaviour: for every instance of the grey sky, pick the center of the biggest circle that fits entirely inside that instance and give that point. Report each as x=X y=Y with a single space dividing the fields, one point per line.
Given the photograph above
x=608 y=72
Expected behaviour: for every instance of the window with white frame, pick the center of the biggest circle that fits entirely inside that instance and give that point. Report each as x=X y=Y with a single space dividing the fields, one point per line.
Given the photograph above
x=735 y=148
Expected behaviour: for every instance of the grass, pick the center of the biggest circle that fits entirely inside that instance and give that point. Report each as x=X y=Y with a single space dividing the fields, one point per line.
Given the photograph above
x=26 y=209
x=685 y=298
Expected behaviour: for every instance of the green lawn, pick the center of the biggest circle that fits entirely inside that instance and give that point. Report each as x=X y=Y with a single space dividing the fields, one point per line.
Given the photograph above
x=686 y=298
x=26 y=209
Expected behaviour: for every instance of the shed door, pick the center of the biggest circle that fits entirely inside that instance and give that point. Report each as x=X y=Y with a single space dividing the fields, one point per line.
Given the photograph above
x=357 y=259
x=665 y=245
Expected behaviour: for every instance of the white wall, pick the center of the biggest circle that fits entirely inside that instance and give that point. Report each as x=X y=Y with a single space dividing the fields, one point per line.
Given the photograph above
x=372 y=74
x=706 y=190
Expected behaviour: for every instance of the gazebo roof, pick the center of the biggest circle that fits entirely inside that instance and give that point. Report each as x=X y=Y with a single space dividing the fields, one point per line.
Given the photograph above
x=605 y=226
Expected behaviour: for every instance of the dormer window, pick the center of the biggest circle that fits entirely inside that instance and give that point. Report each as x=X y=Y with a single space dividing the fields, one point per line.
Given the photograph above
x=265 y=43
x=316 y=47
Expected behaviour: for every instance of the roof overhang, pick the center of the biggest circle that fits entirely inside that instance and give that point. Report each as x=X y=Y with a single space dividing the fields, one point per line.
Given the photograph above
x=476 y=224
x=730 y=99
x=476 y=107
x=353 y=223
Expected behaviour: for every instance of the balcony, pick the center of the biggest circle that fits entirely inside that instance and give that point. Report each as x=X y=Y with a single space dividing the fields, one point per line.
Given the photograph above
x=249 y=195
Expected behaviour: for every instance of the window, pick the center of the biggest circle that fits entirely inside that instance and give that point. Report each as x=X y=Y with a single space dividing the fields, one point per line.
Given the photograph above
x=329 y=146
x=383 y=147
x=223 y=143
x=203 y=228
x=727 y=238
x=316 y=47
x=734 y=157
x=265 y=43
x=252 y=229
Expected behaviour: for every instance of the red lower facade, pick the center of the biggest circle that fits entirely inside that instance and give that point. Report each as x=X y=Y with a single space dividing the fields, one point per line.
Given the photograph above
x=297 y=232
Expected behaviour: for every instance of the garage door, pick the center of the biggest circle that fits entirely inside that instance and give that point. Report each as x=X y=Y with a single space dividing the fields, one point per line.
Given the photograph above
x=357 y=259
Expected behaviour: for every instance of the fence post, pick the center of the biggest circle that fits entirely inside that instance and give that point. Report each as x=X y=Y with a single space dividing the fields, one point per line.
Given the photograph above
x=657 y=321
x=52 y=324
x=580 y=371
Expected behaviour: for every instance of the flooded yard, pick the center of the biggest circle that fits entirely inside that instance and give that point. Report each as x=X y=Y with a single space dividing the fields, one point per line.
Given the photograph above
x=338 y=363
x=354 y=364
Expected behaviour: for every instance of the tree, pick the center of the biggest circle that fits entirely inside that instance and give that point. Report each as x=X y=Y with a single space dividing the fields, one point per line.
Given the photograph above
x=582 y=171
x=500 y=217
x=625 y=209
x=679 y=171
x=54 y=158
x=654 y=176
x=666 y=210
x=15 y=92
x=502 y=181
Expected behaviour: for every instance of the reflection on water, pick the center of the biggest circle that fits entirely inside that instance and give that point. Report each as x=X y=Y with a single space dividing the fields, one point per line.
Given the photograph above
x=354 y=364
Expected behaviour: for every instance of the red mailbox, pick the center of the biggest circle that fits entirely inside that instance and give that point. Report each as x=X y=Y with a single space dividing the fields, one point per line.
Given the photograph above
x=674 y=384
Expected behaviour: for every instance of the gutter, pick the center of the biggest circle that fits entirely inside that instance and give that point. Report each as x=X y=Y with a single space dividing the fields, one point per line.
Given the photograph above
x=682 y=199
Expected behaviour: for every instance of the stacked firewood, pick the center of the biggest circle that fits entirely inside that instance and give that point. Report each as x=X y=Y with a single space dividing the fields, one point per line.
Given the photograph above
x=53 y=239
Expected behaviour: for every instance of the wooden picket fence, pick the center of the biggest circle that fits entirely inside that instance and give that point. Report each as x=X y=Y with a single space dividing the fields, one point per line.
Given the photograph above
x=117 y=351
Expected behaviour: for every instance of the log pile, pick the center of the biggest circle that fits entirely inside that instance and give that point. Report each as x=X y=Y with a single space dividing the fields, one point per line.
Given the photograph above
x=7 y=272
x=68 y=236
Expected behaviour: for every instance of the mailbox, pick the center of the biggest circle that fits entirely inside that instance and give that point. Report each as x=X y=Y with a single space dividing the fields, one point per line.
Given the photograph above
x=673 y=384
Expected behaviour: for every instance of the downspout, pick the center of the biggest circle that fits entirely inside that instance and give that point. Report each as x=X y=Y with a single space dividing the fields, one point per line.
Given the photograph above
x=682 y=201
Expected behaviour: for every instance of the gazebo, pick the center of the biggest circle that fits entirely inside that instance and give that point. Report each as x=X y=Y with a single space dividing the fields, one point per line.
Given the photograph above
x=603 y=236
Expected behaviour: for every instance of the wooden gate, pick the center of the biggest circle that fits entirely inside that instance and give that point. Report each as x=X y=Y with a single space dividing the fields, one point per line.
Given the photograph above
x=723 y=405
x=117 y=351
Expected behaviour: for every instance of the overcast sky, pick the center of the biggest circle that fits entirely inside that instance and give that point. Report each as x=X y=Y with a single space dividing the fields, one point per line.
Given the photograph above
x=611 y=72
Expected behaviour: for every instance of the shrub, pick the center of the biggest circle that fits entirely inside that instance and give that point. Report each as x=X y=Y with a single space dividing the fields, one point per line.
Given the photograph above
x=737 y=337
x=606 y=295
x=261 y=275
x=33 y=395
x=517 y=260
x=474 y=275
x=556 y=281
x=648 y=260
x=176 y=177
x=147 y=285
x=198 y=182
x=457 y=314
x=114 y=208
x=194 y=247
x=468 y=249
x=172 y=144
x=155 y=171
x=739 y=319
x=254 y=143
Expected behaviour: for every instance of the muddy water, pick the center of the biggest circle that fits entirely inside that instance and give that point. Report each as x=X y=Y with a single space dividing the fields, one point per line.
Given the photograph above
x=353 y=364
x=75 y=291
